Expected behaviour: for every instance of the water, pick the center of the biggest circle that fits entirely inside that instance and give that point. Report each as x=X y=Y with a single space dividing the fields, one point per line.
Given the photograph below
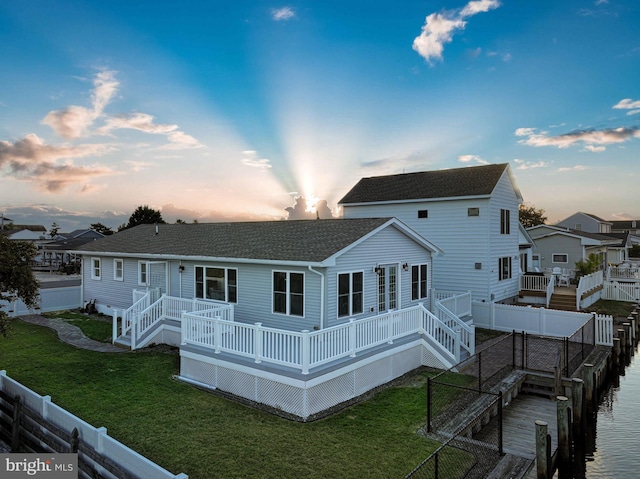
x=618 y=429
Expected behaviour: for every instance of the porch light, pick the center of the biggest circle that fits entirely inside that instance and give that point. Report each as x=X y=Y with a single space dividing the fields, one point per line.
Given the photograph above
x=180 y=268
x=405 y=266
x=377 y=270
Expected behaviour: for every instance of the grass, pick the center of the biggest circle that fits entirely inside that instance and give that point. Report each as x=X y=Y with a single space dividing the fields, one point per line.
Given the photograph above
x=617 y=309
x=93 y=327
x=204 y=435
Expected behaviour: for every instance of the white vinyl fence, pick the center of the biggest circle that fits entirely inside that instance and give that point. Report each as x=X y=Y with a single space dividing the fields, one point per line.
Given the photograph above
x=619 y=291
x=51 y=299
x=97 y=438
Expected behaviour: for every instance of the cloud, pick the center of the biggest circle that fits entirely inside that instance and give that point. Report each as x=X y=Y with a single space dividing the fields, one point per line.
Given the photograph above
x=628 y=104
x=572 y=168
x=282 y=14
x=139 y=165
x=32 y=160
x=68 y=220
x=528 y=165
x=595 y=149
x=589 y=137
x=440 y=27
x=74 y=121
x=251 y=159
x=470 y=158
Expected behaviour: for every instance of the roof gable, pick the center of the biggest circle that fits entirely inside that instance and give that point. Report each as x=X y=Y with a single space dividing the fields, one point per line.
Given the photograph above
x=451 y=183
x=306 y=241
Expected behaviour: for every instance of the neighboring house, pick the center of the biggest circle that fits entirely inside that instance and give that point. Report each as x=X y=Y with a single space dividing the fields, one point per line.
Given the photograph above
x=563 y=248
x=471 y=212
x=627 y=226
x=296 y=275
x=527 y=246
x=586 y=222
x=57 y=253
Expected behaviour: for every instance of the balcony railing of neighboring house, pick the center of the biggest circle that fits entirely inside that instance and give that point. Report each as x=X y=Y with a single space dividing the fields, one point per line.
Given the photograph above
x=450 y=307
x=622 y=272
x=305 y=350
x=534 y=282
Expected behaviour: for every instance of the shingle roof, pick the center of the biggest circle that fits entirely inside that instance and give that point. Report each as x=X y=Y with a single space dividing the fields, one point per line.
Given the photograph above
x=474 y=181
x=597 y=218
x=304 y=240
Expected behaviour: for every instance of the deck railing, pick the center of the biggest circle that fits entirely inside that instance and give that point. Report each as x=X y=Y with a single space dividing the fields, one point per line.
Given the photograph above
x=141 y=301
x=449 y=309
x=623 y=272
x=587 y=283
x=550 y=287
x=305 y=350
x=530 y=282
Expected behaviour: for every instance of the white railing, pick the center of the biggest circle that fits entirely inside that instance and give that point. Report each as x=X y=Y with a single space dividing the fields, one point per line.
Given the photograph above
x=142 y=300
x=530 y=282
x=550 y=287
x=305 y=350
x=622 y=272
x=587 y=283
x=604 y=330
x=449 y=310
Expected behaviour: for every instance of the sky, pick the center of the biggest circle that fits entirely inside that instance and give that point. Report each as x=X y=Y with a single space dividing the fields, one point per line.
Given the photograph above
x=260 y=110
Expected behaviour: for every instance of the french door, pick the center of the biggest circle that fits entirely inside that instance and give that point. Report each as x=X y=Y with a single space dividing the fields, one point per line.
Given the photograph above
x=387 y=287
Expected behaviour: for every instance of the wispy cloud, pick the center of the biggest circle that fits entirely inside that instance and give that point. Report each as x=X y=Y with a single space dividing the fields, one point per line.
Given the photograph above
x=282 y=14
x=529 y=165
x=472 y=158
x=48 y=166
x=74 y=121
x=628 y=104
x=565 y=169
x=139 y=165
x=251 y=159
x=439 y=28
x=589 y=137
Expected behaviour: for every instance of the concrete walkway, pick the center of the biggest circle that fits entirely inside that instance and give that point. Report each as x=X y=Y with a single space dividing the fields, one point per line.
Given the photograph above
x=71 y=334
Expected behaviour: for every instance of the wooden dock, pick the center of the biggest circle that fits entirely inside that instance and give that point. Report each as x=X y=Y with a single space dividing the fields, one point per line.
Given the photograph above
x=519 y=428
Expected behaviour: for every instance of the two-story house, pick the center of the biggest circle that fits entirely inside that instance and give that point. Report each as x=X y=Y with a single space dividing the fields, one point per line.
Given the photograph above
x=471 y=212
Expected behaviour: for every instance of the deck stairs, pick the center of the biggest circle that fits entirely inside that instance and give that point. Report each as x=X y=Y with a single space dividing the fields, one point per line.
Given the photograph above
x=563 y=301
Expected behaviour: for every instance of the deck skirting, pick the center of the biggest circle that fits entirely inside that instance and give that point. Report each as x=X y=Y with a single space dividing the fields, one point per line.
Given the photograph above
x=299 y=395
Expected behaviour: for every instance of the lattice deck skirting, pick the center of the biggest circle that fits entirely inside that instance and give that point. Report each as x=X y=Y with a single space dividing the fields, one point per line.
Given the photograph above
x=297 y=395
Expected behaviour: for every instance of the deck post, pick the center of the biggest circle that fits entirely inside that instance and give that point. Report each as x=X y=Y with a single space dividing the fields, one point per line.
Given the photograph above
x=217 y=333
x=257 y=347
x=352 y=338
x=183 y=328
x=543 y=461
x=564 y=438
x=306 y=350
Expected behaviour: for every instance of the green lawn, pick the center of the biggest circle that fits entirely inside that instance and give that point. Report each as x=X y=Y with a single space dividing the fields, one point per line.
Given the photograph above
x=188 y=430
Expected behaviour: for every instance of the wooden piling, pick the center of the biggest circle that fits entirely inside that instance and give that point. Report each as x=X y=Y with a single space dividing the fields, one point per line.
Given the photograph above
x=589 y=388
x=577 y=392
x=543 y=461
x=565 y=469
x=616 y=355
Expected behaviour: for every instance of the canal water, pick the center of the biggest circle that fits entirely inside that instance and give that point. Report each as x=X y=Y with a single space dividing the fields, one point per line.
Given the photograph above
x=618 y=428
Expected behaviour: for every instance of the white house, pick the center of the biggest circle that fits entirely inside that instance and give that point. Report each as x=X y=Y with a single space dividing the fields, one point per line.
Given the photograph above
x=471 y=212
x=297 y=315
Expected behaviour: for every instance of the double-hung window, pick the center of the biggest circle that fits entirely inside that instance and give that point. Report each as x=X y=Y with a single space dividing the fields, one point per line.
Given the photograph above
x=505 y=222
x=118 y=269
x=96 y=268
x=220 y=284
x=419 y=276
x=142 y=273
x=288 y=293
x=350 y=294
x=504 y=268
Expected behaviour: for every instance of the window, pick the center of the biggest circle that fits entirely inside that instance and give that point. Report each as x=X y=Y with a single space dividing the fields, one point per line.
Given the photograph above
x=423 y=213
x=473 y=211
x=579 y=226
x=118 y=270
x=418 y=281
x=505 y=224
x=142 y=273
x=220 y=284
x=288 y=293
x=96 y=267
x=560 y=258
x=350 y=294
x=504 y=268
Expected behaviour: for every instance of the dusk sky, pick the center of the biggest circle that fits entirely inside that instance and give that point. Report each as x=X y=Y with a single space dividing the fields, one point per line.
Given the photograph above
x=224 y=111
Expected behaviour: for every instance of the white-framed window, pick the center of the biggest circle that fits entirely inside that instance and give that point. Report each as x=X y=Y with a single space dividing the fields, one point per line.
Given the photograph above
x=559 y=258
x=579 y=226
x=288 y=293
x=473 y=211
x=505 y=222
x=504 y=268
x=419 y=277
x=96 y=268
x=143 y=267
x=350 y=293
x=217 y=283
x=118 y=269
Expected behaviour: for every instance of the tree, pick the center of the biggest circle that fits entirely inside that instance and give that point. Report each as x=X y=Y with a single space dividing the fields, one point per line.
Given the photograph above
x=530 y=216
x=100 y=228
x=143 y=215
x=16 y=277
x=53 y=231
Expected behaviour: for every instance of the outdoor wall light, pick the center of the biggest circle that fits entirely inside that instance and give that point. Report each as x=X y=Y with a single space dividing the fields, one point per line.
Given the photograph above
x=180 y=269
x=377 y=270
x=405 y=266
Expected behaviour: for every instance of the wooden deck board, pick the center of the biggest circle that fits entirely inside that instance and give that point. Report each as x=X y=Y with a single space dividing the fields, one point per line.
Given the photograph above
x=519 y=431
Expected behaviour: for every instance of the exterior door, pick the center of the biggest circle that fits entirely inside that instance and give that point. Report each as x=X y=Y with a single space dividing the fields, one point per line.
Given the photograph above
x=157 y=276
x=387 y=287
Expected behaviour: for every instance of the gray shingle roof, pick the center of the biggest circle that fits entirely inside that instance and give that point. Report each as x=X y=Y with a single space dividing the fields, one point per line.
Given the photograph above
x=474 y=181
x=304 y=240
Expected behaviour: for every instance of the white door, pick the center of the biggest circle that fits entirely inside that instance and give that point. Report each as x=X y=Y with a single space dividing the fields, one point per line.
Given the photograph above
x=157 y=277
x=387 y=287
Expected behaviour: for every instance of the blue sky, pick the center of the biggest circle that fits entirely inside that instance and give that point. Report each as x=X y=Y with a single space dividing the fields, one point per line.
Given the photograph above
x=217 y=111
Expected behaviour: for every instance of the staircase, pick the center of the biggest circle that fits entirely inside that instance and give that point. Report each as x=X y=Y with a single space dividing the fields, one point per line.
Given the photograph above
x=563 y=302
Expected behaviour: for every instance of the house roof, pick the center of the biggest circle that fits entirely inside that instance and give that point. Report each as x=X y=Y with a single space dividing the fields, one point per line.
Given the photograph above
x=307 y=241
x=625 y=224
x=559 y=230
x=597 y=218
x=452 y=183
